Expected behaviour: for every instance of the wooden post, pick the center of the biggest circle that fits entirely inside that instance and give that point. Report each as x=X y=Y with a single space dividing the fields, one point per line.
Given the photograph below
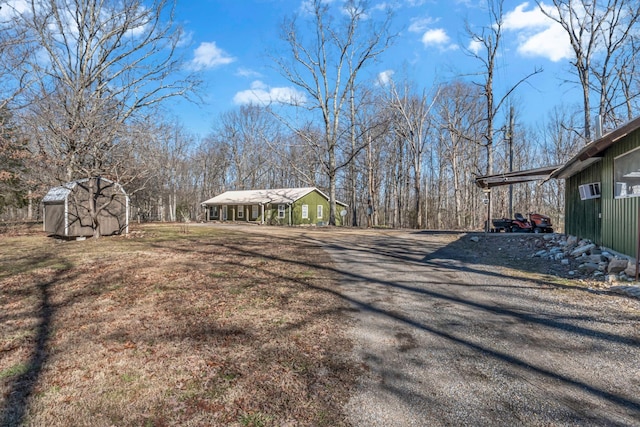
x=638 y=244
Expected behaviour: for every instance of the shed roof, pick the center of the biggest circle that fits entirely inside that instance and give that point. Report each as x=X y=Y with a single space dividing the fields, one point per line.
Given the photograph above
x=60 y=193
x=594 y=151
x=276 y=195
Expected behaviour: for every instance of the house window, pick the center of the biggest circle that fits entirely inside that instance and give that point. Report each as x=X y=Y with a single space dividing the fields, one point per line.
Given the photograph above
x=225 y=213
x=319 y=212
x=281 y=211
x=589 y=191
x=305 y=211
x=626 y=174
x=240 y=211
x=254 y=211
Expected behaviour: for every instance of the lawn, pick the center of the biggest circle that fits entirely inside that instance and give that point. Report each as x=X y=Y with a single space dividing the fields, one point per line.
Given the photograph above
x=170 y=326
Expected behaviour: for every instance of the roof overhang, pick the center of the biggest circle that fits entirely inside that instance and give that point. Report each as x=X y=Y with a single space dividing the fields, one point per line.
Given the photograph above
x=263 y=197
x=594 y=151
x=539 y=174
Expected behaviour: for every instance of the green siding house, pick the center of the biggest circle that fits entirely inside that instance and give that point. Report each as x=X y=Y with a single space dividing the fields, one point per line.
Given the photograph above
x=603 y=190
x=281 y=206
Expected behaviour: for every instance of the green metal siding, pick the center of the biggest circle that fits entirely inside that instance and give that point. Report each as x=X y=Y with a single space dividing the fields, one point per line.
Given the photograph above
x=312 y=200
x=619 y=216
x=292 y=214
x=583 y=216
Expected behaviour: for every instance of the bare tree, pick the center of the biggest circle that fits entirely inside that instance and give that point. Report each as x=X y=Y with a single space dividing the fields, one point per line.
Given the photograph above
x=14 y=74
x=487 y=43
x=412 y=113
x=459 y=111
x=249 y=131
x=600 y=35
x=100 y=65
x=327 y=67
x=15 y=185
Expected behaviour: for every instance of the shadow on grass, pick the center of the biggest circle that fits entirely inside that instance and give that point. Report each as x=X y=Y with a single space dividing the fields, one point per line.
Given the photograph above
x=456 y=257
x=22 y=386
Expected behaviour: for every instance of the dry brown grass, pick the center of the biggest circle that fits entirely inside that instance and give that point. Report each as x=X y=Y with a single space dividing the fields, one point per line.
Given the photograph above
x=209 y=327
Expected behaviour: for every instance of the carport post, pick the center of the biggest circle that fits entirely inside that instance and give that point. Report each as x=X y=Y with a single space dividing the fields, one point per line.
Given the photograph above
x=487 y=201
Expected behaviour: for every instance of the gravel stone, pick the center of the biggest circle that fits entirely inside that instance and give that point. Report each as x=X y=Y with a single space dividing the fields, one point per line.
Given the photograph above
x=455 y=333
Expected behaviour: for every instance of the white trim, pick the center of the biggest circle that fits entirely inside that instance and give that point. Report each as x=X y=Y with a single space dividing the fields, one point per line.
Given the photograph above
x=66 y=216
x=273 y=196
x=625 y=182
x=589 y=191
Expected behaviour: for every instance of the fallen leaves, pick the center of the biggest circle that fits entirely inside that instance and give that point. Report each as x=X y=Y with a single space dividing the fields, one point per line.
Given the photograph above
x=166 y=328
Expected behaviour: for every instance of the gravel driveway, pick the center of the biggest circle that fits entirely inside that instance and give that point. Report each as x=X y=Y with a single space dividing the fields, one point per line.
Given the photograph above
x=448 y=337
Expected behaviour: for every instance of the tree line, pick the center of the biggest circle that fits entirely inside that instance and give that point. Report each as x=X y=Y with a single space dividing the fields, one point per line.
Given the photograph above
x=85 y=85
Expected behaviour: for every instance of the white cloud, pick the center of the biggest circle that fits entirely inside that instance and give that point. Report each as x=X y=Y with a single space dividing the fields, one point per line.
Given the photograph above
x=208 y=55
x=383 y=6
x=385 y=77
x=475 y=46
x=419 y=25
x=438 y=37
x=435 y=37
x=247 y=72
x=260 y=93
x=519 y=18
x=186 y=37
x=12 y=8
x=552 y=43
x=537 y=34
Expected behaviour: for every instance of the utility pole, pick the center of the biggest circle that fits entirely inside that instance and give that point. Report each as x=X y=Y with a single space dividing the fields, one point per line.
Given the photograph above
x=510 y=140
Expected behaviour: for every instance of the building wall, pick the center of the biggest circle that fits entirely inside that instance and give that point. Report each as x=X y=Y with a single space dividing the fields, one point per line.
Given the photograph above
x=312 y=201
x=112 y=219
x=610 y=222
x=583 y=216
x=619 y=216
x=271 y=217
x=54 y=219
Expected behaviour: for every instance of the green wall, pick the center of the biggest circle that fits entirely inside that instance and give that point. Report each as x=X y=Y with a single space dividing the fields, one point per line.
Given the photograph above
x=617 y=228
x=619 y=216
x=312 y=200
x=583 y=216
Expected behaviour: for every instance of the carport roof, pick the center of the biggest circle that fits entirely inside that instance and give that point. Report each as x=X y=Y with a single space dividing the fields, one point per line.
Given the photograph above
x=538 y=174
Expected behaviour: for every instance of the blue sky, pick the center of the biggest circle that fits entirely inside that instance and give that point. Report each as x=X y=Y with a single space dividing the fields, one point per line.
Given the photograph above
x=230 y=40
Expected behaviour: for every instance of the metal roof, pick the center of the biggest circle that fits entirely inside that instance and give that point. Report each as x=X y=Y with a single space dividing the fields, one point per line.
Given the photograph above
x=594 y=151
x=538 y=174
x=59 y=194
x=262 y=197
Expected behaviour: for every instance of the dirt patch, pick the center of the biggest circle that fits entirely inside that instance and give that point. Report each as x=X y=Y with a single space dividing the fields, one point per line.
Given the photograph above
x=163 y=327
